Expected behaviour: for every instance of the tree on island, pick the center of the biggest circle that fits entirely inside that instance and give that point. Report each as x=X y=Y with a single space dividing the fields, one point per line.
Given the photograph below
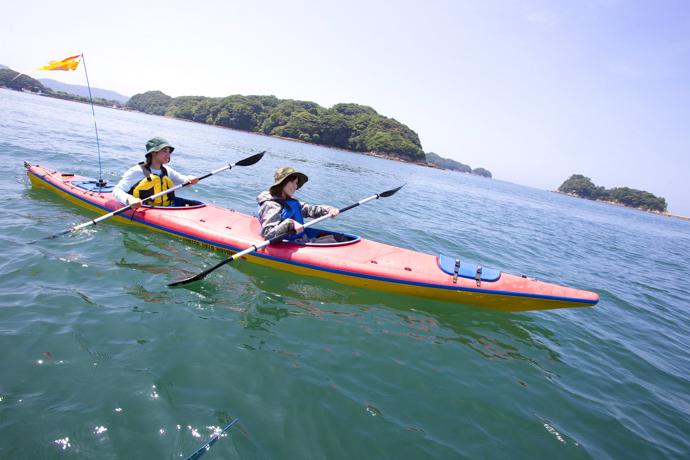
x=153 y=102
x=447 y=163
x=481 y=172
x=637 y=199
x=583 y=187
x=453 y=165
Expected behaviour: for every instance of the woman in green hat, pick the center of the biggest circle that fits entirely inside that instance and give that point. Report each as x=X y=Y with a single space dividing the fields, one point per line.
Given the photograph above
x=280 y=213
x=150 y=177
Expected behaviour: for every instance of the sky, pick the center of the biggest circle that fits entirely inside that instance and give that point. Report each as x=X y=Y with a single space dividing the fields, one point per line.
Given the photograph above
x=533 y=91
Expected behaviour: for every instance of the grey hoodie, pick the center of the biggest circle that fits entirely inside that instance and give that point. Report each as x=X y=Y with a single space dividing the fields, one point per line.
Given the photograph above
x=269 y=215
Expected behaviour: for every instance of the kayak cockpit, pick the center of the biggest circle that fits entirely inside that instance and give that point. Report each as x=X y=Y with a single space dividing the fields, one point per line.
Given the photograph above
x=318 y=237
x=92 y=185
x=179 y=203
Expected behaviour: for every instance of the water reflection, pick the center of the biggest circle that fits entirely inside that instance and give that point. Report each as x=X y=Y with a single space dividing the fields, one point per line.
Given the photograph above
x=146 y=295
x=348 y=168
x=264 y=297
x=492 y=335
x=96 y=355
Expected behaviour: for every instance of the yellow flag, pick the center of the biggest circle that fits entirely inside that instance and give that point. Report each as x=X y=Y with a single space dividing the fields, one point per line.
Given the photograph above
x=69 y=63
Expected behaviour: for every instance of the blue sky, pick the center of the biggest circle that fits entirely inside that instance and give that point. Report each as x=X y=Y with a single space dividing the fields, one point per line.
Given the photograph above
x=532 y=90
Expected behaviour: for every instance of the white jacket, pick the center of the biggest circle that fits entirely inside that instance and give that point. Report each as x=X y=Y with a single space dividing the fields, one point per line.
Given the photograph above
x=134 y=175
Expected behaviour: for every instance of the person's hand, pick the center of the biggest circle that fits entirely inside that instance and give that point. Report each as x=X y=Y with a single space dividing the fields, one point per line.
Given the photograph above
x=193 y=180
x=134 y=202
x=299 y=228
x=333 y=212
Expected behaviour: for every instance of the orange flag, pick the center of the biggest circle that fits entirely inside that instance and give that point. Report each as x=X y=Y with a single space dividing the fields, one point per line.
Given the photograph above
x=69 y=63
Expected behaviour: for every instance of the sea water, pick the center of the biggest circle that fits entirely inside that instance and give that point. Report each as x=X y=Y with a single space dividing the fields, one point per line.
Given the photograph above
x=99 y=359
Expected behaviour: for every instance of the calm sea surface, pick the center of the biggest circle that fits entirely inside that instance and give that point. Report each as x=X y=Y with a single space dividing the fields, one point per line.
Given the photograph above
x=100 y=360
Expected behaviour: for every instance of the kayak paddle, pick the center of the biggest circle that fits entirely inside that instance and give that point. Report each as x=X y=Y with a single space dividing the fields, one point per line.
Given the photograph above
x=245 y=162
x=203 y=449
x=256 y=247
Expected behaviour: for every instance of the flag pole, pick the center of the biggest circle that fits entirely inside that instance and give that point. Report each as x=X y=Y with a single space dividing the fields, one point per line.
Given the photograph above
x=101 y=182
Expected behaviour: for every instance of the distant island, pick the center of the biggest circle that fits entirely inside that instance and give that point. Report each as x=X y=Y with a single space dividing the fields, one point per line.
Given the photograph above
x=19 y=82
x=348 y=126
x=80 y=90
x=453 y=165
x=583 y=187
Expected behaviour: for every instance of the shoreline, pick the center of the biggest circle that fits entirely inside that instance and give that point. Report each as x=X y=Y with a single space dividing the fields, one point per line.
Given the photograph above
x=613 y=203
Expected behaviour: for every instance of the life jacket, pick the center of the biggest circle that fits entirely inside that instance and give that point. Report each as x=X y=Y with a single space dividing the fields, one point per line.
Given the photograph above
x=153 y=184
x=291 y=209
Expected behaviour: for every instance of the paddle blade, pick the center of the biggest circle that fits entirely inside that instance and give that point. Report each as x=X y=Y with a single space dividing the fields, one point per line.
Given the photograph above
x=250 y=160
x=201 y=275
x=184 y=281
x=388 y=193
x=52 y=237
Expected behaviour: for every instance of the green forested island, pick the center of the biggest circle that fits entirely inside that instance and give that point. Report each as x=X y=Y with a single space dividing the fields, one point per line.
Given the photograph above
x=583 y=187
x=347 y=126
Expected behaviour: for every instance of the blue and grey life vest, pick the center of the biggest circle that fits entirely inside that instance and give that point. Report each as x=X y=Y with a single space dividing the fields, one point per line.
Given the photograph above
x=291 y=209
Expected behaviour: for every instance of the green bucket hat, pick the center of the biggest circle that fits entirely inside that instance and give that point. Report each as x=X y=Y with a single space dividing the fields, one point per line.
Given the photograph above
x=282 y=174
x=157 y=144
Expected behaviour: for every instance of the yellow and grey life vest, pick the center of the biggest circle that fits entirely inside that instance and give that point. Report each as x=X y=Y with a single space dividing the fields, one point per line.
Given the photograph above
x=153 y=184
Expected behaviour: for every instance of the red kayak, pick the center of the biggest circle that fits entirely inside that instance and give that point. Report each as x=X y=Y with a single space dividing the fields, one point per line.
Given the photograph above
x=350 y=260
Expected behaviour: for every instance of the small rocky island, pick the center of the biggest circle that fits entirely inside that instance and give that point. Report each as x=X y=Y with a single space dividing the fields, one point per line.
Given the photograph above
x=583 y=187
x=445 y=163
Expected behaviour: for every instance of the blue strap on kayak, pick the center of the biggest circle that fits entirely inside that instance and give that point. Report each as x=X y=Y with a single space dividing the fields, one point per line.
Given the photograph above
x=203 y=449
